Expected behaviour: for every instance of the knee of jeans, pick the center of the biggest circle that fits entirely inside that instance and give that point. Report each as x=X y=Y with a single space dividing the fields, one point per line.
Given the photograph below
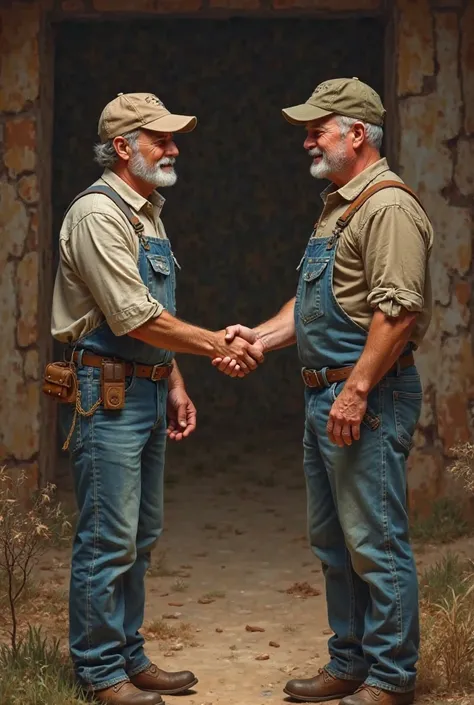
x=146 y=544
x=122 y=550
x=324 y=531
x=367 y=555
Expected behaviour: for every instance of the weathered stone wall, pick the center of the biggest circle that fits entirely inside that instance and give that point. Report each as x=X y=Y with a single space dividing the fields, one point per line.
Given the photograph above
x=19 y=276
x=436 y=156
x=433 y=65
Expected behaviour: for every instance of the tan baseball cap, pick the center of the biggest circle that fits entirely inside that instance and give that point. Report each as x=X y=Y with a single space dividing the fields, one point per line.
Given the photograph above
x=131 y=111
x=339 y=96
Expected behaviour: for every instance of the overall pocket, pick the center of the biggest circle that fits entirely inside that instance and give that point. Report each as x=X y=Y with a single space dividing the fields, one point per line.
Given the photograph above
x=406 y=409
x=312 y=291
x=160 y=281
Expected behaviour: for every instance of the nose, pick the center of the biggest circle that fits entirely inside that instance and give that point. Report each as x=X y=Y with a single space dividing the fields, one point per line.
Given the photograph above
x=171 y=149
x=309 y=143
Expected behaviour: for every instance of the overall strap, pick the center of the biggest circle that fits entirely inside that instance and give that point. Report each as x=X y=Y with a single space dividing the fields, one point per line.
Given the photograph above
x=119 y=202
x=349 y=213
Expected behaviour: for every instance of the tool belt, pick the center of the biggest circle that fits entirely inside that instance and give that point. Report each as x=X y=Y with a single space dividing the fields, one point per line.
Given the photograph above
x=60 y=382
x=317 y=379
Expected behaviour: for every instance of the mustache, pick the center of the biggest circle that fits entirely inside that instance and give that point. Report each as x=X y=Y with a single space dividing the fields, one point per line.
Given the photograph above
x=315 y=152
x=167 y=161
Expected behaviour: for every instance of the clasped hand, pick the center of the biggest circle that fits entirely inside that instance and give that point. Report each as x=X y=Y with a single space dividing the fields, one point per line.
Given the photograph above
x=240 y=352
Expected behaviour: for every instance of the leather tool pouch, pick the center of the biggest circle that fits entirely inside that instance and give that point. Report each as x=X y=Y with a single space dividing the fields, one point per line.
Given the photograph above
x=60 y=382
x=113 y=384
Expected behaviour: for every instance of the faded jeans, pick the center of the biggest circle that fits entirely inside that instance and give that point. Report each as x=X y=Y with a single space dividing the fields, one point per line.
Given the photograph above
x=118 y=464
x=358 y=528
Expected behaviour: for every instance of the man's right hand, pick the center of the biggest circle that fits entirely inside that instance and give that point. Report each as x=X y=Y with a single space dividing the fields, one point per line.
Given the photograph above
x=228 y=362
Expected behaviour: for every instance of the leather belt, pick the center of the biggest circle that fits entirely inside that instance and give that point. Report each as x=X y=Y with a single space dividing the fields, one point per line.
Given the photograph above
x=153 y=372
x=317 y=379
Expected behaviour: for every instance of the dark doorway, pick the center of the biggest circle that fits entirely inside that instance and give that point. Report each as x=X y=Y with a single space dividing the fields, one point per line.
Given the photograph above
x=245 y=203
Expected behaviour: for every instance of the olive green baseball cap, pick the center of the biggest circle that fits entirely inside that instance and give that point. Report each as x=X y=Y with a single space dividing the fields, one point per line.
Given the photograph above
x=339 y=96
x=132 y=111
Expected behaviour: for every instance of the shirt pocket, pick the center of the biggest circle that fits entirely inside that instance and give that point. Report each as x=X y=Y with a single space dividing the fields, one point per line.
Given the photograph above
x=313 y=289
x=159 y=279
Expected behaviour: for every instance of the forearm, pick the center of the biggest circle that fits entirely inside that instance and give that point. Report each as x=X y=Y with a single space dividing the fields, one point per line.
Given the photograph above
x=279 y=331
x=386 y=341
x=170 y=333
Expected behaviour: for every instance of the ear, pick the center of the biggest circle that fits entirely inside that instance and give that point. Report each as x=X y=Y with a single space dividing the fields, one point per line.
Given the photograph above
x=358 y=134
x=122 y=148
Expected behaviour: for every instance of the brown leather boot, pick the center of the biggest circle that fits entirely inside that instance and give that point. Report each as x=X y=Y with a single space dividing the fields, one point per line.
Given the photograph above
x=322 y=687
x=370 y=695
x=124 y=693
x=157 y=681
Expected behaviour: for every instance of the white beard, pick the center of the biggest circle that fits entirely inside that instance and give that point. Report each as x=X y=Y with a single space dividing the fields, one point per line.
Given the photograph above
x=153 y=175
x=328 y=164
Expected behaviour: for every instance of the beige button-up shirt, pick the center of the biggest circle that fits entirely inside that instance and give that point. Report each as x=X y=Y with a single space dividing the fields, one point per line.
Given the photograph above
x=382 y=255
x=98 y=277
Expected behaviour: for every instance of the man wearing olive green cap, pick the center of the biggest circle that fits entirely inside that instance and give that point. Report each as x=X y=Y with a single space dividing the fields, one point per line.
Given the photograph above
x=362 y=306
x=114 y=304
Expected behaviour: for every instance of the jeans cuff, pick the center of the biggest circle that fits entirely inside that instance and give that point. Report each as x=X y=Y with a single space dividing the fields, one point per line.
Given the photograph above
x=389 y=687
x=343 y=676
x=139 y=669
x=92 y=687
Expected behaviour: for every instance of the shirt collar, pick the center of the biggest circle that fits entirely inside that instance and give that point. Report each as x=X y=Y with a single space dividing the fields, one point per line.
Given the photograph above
x=351 y=190
x=129 y=195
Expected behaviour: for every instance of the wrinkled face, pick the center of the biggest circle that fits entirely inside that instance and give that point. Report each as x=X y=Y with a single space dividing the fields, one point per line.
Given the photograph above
x=153 y=158
x=329 y=148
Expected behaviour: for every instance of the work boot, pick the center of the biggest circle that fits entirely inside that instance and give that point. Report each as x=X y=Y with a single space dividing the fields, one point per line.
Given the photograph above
x=125 y=693
x=155 y=680
x=322 y=687
x=372 y=695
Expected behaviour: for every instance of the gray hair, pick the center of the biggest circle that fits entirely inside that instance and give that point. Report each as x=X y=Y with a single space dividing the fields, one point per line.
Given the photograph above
x=373 y=133
x=105 y=154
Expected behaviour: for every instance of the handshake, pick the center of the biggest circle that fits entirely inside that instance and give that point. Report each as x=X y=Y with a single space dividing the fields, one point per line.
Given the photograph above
x=237 y=351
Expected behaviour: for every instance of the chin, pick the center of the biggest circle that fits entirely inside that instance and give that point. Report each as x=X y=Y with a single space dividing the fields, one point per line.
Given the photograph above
x=318 y=173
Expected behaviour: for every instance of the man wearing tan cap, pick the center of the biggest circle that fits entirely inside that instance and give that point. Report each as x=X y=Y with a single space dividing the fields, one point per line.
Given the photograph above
x=114 y=304
x=363 y=304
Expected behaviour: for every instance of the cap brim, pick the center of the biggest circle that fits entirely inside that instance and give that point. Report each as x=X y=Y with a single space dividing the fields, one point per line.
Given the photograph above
x=172 y=123
x=304 y=113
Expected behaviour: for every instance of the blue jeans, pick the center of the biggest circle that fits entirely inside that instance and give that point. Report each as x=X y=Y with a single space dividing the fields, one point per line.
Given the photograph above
x=358 y=528
x=118 y=464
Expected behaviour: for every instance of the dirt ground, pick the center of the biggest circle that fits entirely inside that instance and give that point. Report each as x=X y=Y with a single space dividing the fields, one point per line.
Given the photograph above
x=234 y=593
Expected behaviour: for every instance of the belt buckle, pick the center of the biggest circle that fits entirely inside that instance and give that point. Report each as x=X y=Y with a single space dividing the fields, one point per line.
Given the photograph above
x=155 y=373
x=311 y=378
x=159 y=371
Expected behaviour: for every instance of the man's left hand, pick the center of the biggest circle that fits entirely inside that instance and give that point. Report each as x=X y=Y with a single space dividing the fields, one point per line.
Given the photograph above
x=346 y=417
x=181 y=414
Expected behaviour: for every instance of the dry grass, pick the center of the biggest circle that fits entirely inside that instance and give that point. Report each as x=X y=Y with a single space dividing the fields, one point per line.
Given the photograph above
x=214 y=595
x=463 y=466
x=159 y=567
x=182 y=633
x=38 y=673
x=446 y=523
x=447 y=628
x=179 y=586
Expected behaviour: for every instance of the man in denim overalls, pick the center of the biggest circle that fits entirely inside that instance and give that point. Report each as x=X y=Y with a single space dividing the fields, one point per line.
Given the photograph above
x=114 y=304
x=362 y=306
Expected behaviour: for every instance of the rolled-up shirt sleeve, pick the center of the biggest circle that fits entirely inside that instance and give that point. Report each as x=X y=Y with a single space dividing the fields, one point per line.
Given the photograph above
x=394 y=248
x=102 y=256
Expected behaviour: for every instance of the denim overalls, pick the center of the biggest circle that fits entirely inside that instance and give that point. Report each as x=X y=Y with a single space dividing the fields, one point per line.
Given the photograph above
x=357 y=513
x=118 y=464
